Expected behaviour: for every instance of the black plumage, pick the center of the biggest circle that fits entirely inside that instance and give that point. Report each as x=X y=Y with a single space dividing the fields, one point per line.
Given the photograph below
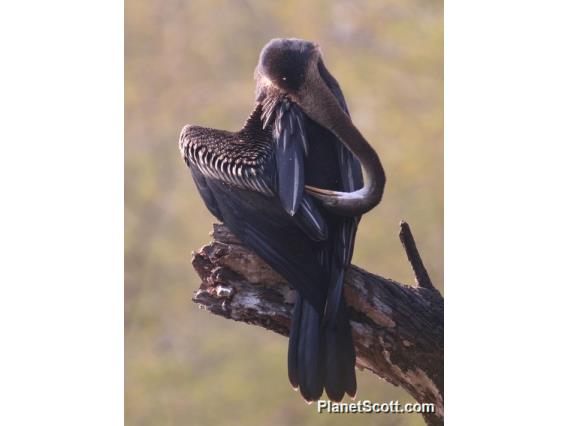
x=254 y=181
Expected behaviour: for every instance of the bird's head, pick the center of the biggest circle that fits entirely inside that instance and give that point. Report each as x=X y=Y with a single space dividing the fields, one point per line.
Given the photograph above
x=285 y=63
x=293 y=68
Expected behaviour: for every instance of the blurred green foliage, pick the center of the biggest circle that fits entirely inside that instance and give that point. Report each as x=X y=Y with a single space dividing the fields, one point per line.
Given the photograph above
x=192 y=62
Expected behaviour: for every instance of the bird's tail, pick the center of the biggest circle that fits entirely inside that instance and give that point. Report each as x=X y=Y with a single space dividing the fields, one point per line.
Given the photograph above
x=321 y=355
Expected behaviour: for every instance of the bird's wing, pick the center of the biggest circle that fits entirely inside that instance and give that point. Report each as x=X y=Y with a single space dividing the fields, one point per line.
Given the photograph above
x=290 y=147
x=206 y=193
x=235 y=174
x=252 y=161
x=226 y=157
x=265 y=228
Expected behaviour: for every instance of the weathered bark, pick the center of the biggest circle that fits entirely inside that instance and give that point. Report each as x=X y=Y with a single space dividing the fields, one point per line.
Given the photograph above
x=398 y=330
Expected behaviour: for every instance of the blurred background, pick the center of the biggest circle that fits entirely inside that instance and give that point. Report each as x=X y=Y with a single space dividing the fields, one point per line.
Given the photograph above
x=192 y=62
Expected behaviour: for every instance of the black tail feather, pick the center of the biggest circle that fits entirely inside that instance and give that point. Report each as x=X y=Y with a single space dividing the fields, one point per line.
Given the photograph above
x=340 y=376
x=310 y=354
x=347 y=351
x=321 y=356
x=293 y=344
x=334 y=384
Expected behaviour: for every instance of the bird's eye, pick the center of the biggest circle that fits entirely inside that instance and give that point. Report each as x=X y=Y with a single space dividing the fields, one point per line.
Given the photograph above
x=284 y=78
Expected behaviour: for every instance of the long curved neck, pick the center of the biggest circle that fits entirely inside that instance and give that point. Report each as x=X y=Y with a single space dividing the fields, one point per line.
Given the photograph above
x=375 y=180
x=319 y=103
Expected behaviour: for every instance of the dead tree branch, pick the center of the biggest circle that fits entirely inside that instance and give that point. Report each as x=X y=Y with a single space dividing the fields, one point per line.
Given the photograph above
x=398 y=330
x=407 y=240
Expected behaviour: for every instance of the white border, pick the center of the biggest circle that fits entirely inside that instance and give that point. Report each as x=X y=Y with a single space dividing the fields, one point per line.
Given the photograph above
x=505 y=213
x=61 y=215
